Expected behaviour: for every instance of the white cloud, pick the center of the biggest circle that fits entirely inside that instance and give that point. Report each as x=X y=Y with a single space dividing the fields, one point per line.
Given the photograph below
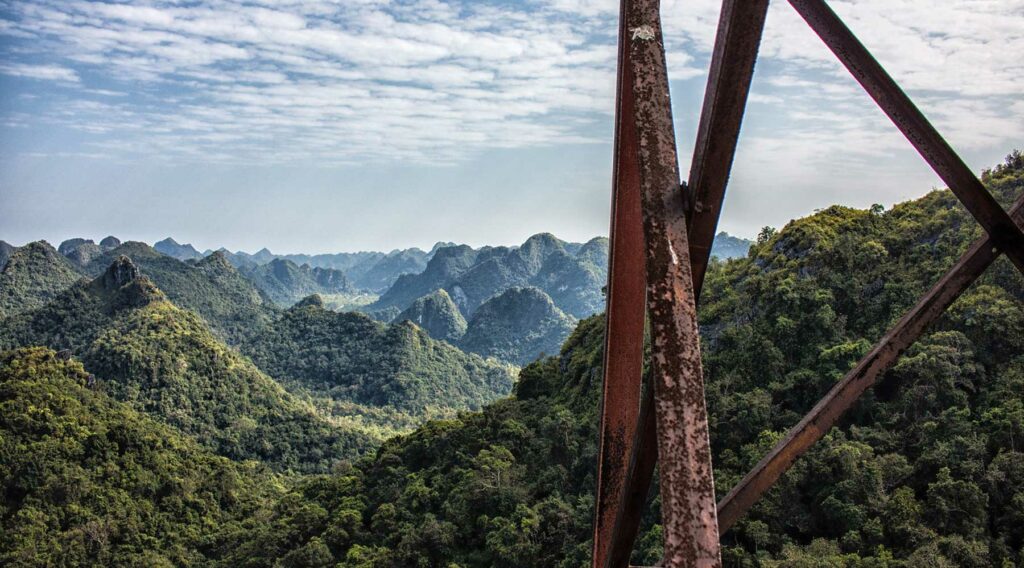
x=46 y=72
x=339 y=81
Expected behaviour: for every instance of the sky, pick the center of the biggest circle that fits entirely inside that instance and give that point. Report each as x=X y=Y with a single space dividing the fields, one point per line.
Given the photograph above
x=341 y=125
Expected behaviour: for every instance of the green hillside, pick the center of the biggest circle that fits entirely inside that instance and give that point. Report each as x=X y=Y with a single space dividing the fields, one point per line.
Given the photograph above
x=87 y=481
x=231 y=305
x=33 y=275
x=926 y=471
x=518 y=326
x=350 y=357
x=163 y=361
x=438 y=315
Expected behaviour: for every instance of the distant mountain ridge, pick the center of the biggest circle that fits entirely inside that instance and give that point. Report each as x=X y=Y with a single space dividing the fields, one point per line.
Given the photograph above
x=727 y=246
x=390 y=287
x=171 y=248
x=371 y=376
x=572 y=275
x=287 y=283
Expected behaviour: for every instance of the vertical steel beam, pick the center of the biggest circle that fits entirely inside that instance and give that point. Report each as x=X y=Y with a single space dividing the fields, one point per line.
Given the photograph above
x=625 y=312
x=846 y=392
x=687 y=486
x=740 y=27
x=913 y=124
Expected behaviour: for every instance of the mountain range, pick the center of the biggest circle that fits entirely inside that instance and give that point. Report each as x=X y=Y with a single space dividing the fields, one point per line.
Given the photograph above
x=387 y=377
x=565 y=281
x=132 y=434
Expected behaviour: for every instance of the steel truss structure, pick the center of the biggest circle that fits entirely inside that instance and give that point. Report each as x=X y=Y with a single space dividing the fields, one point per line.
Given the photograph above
x=661 y=236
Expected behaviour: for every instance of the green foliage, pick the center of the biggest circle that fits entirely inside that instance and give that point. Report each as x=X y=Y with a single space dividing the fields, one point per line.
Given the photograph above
x=88 y=481
x=32 y=275
x=163 y=361
x=349 y=357
x=925 y=471
x=518 y=325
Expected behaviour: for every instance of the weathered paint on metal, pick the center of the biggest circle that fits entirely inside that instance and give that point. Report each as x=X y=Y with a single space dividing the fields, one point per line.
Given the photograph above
x=846 y=392
x=913 y=124
x=689 y=518
x=625 y=314
x=709 y=174
x=740 y=27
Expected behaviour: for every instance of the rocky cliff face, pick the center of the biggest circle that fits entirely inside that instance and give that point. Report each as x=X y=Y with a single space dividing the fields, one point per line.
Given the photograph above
x=121 y=272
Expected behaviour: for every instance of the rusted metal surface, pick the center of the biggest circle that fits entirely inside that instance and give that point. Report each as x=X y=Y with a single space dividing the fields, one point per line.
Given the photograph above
x=846 y=392
x=672 y=421
x=687 y=486
x=740 y=26
x=625 y=313
x=906 y=116
x=732 y=66
x=637 y=486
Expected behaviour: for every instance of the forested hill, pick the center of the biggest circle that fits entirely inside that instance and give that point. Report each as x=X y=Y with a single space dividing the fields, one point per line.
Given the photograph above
x=350 y=357
x=163 y=361
x=927 y=470
x=88 y=481
x=32 y=275
x=232 y=306
x=363 y=373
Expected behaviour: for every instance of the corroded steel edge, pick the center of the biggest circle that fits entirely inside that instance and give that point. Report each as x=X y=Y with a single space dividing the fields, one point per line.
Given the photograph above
x=689 y=517
x=740 y=27
x=625 y=314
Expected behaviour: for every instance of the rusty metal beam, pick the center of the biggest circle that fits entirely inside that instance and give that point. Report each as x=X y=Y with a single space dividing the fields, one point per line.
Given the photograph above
x=740 y=26
x=913 y=124
x=732 y=66
x=687 y=485
x=625 y=312
x=845 y=393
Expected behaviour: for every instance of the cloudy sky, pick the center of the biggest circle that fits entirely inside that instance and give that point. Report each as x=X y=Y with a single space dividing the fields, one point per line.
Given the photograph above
x=328 y=125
